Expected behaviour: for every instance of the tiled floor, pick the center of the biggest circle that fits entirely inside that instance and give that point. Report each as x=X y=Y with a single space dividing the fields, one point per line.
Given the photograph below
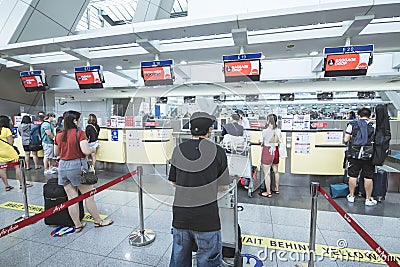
x=286 y=217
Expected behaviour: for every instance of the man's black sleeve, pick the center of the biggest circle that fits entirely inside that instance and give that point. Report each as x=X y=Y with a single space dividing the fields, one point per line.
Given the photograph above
x=172 y=174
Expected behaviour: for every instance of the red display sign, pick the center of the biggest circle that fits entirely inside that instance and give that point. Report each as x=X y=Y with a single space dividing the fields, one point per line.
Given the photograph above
x=151 y=124
x=88 y=77
x=320 y=124
x=157 y=73
x=242 y=68
x=347 y=62
x=31 y=81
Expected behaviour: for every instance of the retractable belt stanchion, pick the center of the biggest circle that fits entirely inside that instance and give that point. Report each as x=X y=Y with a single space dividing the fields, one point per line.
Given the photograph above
x=313 y=223
x=26 y=207
x=141 y=237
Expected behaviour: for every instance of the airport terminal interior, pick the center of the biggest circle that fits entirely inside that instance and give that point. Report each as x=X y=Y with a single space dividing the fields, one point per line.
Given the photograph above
x=143 y=67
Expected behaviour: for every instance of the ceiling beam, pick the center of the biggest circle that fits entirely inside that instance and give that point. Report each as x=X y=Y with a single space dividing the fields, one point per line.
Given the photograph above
x=152 y=47
x=69 y=51
x=9 y=58
x=123 y=75
x=240 y=36
x=357 y=25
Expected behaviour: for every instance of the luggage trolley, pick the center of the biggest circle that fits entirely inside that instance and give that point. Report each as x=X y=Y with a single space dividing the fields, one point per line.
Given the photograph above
x=239 y=160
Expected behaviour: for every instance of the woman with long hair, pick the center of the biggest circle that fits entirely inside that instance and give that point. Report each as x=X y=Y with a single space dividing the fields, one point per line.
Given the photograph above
x=24 y=130
x=92 y=133
x=7 y=153
x=270 y=139
x=72 y=147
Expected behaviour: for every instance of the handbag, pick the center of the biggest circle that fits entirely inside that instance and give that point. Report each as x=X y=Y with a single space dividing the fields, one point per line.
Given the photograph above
x=339 y=190
x=88 y=175
x=282 y=150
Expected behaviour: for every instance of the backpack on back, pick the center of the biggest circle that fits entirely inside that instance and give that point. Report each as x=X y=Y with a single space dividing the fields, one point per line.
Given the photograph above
x=35 y=140
x=382 y=135
x=361 y=144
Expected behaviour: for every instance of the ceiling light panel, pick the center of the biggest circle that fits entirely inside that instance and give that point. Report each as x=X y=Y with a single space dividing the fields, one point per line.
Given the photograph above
x=46 y=58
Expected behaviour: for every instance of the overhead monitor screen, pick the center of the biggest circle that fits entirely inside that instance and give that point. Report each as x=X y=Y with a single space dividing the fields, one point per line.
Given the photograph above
x=34 y=81
x=251 y=98
x=189 y=99
x=159 y=75
x=162 y=100
x=89 y=77
x=242 y=71
x=347 y=64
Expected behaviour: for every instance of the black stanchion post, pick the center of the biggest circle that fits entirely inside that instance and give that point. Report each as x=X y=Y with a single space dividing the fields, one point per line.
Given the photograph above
x=141 y=237
x=26 y=208
x=313 y=223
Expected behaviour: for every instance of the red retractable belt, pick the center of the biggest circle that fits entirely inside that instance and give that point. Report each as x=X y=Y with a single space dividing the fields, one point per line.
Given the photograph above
x=8 y=165
x=390 y=260
x=21 y=224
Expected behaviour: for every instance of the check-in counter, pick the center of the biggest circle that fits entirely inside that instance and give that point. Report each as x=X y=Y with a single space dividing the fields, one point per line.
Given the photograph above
x=256 y=150
x=149 y=145
x=111 y=145
x=18 y=143
x=317 y=152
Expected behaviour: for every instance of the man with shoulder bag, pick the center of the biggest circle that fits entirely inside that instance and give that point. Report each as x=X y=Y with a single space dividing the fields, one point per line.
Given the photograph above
x=359 y=136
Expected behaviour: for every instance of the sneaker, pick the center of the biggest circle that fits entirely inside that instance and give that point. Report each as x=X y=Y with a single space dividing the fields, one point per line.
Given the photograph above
x=350 y=198
x=370 y=202
x=54 y=169
x=48 y=172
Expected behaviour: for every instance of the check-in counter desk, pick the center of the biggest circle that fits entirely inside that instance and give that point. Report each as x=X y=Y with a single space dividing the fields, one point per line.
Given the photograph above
x=256 y=149
x=149 y=145
x=18 y=143
x=316 y=152
x=111 y=148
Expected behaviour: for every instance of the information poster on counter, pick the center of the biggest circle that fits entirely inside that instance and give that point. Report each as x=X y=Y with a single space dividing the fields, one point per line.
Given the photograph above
x=301 y=122
x=334 y=137
x=302 y=143
x=114 y=134
x=287 y=122
x=133 y=138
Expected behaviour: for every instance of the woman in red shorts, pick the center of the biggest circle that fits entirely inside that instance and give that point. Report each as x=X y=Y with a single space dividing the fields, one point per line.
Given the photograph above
x=270 y=139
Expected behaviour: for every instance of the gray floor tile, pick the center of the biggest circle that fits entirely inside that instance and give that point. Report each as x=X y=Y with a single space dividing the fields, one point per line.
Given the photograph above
x=289 y=216
x=150 y=254
x=378 y=225
x=29 y=230
x=159 y=221
x=8 y=242
x=116 y=197
x=128 y=216
x=256 y=228
x=255 y=213
x=70 y=258
x=353 y=240
x=149 y=201
x=27 y=253
x=332 y=221
x=296 y=233
x=110 y=262
x=107 y=209
x=100 y=241
x=45 y=237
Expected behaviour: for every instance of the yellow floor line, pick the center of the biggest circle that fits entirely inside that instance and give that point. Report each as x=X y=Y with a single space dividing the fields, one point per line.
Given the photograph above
x=38 y=209
x=301 y=248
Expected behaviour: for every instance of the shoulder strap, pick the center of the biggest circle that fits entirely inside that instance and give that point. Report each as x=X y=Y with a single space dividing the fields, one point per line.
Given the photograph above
x=94 y=127
x=6 y=142
x=77 y=144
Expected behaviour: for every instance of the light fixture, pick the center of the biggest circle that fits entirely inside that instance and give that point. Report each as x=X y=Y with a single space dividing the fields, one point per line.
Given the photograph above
x=183 y=62
x=64 y=71
x=118 y=67
x=313 y=53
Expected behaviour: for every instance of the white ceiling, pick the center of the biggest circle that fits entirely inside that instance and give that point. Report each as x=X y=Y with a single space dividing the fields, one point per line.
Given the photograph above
x=204 y=41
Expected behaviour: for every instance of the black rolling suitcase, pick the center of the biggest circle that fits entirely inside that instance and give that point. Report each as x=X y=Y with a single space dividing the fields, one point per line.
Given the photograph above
x=54 y=194
x=380 y=184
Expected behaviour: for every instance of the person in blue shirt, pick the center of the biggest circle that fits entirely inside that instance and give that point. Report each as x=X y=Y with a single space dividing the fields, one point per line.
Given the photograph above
x=47 y=134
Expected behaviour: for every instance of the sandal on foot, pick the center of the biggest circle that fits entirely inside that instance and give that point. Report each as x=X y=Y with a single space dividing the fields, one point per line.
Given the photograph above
x=275 y=191
x=264 y=194
x=27 y=185
x=103 y=223
x=8 y=188
x=80 y=228
x=28 y=168
x=37 y=168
